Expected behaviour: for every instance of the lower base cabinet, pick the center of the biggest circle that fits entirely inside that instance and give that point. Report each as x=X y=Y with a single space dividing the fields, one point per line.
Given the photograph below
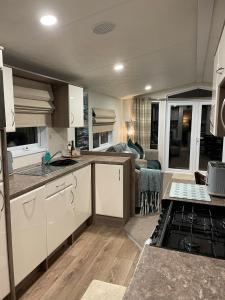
x=28 y=232
x=83 y=202
x=109 y=200
x=43 y=219
x=60 y=214
x=4 y=273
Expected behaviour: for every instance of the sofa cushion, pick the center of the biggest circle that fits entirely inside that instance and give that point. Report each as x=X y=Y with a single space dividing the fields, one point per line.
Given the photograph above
x=119 y=148
x=141 y=151
x=154 y=164
x=136 y=154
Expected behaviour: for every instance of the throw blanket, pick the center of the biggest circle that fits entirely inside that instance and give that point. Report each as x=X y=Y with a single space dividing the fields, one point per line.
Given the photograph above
x=150 y=187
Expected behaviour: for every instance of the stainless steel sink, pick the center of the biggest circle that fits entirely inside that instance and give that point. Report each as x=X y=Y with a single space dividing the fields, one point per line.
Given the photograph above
x=42 y=170
x=39 y=170
x=63 y=162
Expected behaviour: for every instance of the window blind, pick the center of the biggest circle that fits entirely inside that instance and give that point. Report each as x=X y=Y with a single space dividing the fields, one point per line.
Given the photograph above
x=33 y=103
x=103 y=119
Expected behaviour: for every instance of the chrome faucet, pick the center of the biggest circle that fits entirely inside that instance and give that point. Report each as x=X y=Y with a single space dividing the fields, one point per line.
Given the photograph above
x=44 y=163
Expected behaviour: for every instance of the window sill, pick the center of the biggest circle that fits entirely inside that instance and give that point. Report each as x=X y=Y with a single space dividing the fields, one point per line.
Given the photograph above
x=23 y=152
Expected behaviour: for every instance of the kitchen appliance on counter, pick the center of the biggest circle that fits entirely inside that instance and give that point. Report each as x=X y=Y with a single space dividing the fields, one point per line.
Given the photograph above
x=216 y=178
x=190 y=227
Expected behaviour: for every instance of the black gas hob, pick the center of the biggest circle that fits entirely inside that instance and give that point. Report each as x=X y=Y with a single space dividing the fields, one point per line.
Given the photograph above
x=193 y=228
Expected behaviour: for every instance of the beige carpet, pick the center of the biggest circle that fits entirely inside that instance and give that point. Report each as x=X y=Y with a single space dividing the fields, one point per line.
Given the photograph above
x=100 y=290
x=139 y=228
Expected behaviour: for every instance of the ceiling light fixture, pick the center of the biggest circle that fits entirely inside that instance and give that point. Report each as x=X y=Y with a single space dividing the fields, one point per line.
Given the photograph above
x=148 y=87
x=119 y=67
x=48 y=20
x=103 y=27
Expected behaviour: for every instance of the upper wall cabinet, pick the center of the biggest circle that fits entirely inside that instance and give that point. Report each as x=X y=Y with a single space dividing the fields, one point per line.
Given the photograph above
x=69 y=107
x=217 y=119
x=9 y=99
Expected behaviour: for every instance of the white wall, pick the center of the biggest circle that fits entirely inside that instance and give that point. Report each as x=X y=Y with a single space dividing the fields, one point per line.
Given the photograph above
x=97 y=100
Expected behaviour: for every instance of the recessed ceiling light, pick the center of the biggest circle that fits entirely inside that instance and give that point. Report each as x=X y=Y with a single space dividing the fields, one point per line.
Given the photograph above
x=148 y=87
x=118 y=67
x=48 y=20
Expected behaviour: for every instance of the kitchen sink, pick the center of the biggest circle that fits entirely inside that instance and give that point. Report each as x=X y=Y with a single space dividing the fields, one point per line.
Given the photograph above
x=43 y=170
x=63 y=162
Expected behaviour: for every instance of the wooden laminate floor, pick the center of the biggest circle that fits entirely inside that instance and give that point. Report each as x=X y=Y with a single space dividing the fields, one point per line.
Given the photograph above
x=102 y=253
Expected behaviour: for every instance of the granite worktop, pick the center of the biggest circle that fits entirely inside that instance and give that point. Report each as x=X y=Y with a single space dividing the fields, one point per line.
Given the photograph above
x=170 y=275
x=21 y=184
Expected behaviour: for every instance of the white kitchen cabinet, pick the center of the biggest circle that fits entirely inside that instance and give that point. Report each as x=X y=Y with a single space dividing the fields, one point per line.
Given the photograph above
x=83 y=199
x=215 y=102
x=1 y=162
x=59 y=184
x=109 y=190
x=217 y=118
x=59 y=210
x=76 y=106
x=28 y=232
x=9 y=99
x=221 y=59
x=69 y=106
x=4 y=273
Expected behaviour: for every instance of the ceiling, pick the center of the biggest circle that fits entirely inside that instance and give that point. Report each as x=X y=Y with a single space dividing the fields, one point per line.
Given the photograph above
x=164 y=43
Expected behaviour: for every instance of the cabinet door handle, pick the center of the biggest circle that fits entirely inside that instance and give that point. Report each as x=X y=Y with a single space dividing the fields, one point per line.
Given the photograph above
x=119 y=175
x=60 y=185
x=220 y=70
x=13 y=117
x=221 y=114
x=29 y=201
x=75 y=177
x=0 y=166
x=72 y=120
x=29 y=214
x=72 y=201
x=3 y=204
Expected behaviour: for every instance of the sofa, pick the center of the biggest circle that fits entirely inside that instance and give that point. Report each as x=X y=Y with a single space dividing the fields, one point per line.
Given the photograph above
x=149 y=154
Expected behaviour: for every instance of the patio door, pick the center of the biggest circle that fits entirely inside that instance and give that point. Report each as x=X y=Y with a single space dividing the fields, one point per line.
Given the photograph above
x=189 y=143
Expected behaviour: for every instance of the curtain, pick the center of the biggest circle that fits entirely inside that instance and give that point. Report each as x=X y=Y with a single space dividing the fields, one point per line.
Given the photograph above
x=142 y=120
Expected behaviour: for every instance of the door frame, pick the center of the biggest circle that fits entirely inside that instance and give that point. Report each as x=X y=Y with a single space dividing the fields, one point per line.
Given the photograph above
x=196 y=158
x=195 y=134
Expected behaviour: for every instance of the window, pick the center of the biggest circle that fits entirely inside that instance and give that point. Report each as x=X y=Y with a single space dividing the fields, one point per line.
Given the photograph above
x=27 y=140
x=102 y=139
x=154 y=126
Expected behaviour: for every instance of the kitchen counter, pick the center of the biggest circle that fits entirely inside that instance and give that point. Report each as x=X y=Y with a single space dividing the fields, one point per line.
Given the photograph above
x=218 y=201
x=21 y=184
x=167 y=274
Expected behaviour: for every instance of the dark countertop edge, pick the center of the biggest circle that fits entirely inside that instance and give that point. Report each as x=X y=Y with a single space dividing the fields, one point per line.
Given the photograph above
x=64 y=172
x=213 y=202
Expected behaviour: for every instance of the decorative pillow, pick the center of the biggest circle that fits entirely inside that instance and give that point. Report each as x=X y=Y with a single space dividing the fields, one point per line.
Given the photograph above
x=154 y=164
x=141 y=151
x=131 y=145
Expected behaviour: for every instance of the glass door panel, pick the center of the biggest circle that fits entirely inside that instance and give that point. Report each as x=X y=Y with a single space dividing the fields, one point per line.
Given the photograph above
x=180 y=136
x=211 y=147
